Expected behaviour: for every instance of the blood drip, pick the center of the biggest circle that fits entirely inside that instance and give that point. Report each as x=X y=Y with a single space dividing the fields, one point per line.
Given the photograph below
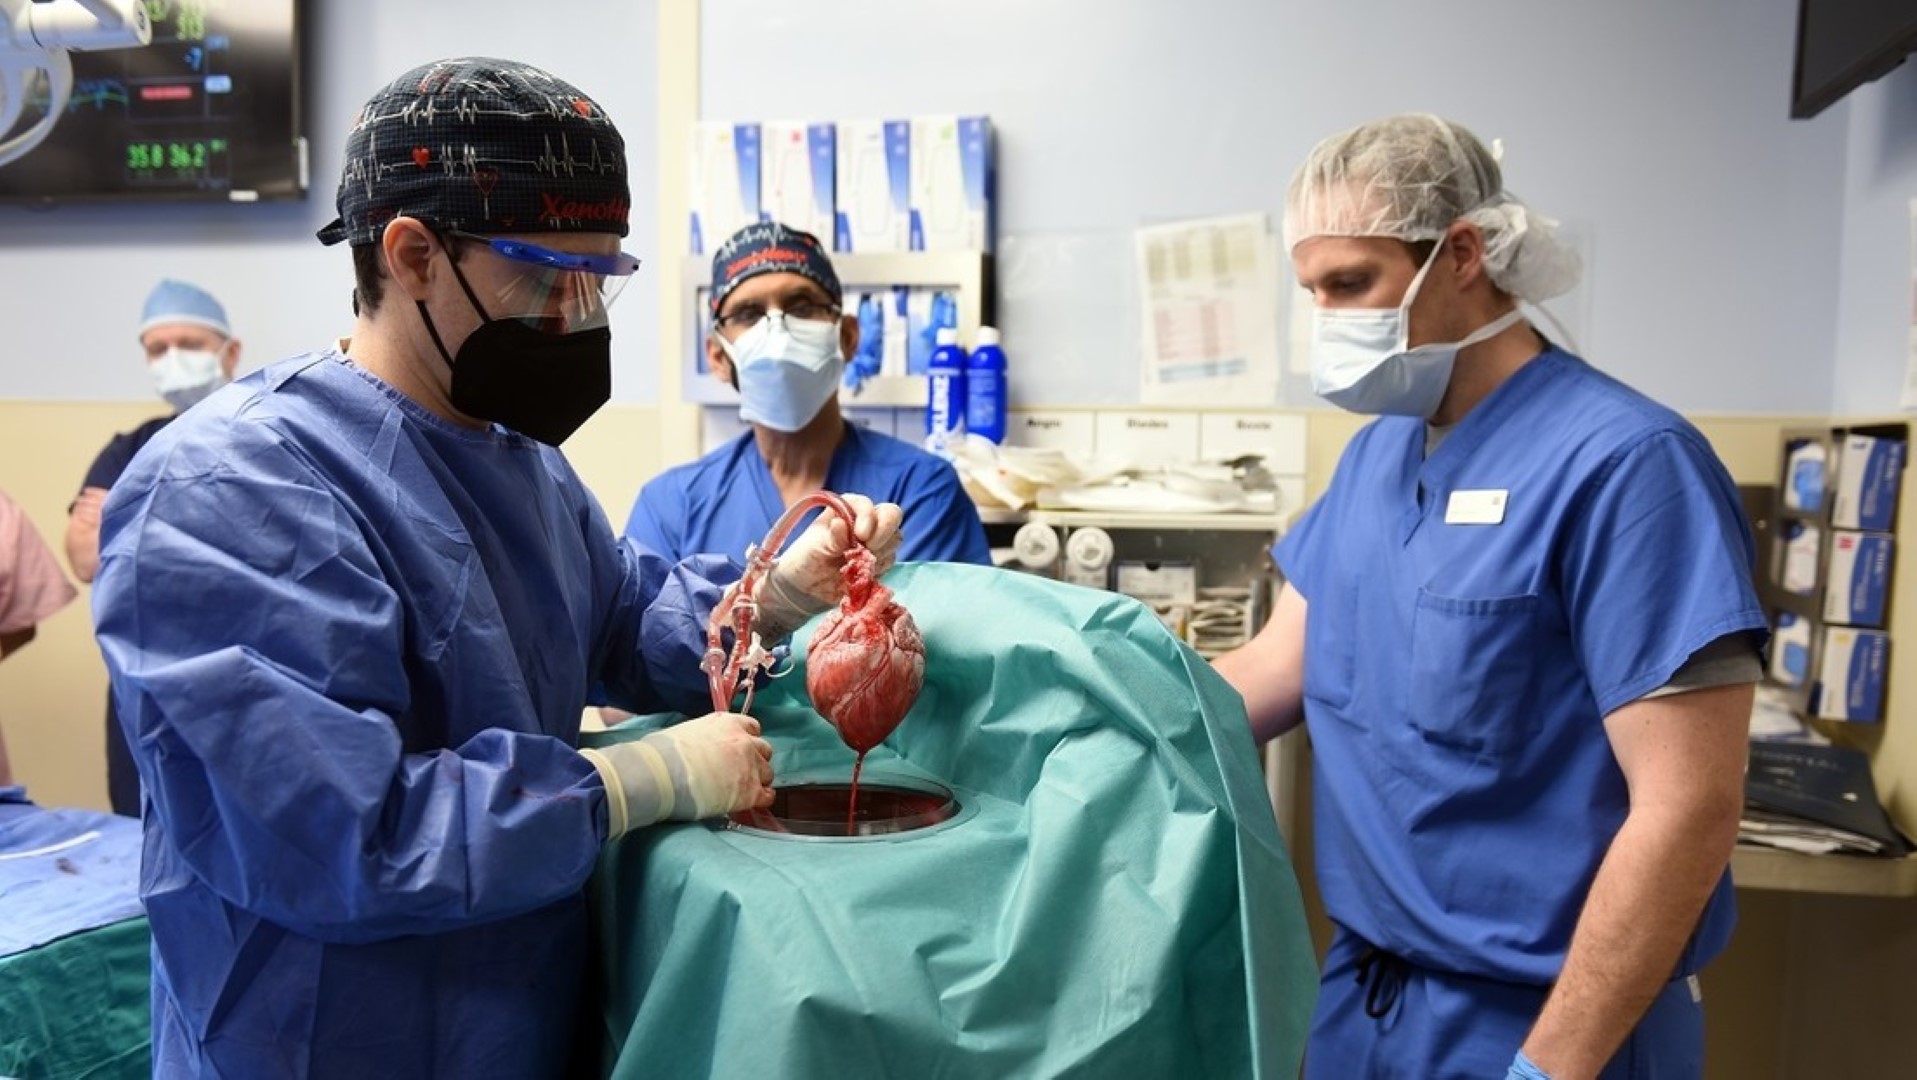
x=852 y=803
x=866 y=664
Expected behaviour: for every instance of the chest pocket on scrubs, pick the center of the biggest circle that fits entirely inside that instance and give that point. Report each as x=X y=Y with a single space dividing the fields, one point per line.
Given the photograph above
x=1473 y=671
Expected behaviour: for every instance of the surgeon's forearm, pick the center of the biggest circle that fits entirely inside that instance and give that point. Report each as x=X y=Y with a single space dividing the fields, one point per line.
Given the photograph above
x=1273 y=704
x=1269 y=670
x=1642 y=907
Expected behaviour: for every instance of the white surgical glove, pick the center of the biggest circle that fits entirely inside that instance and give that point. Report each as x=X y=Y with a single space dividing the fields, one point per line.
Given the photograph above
x=809 y=576
x=698 y=769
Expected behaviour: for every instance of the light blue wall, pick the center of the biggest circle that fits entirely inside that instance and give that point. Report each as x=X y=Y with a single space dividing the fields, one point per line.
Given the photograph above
x=72 y=279
x=1720 y=231
x=1877 y=299
x=1659 y=128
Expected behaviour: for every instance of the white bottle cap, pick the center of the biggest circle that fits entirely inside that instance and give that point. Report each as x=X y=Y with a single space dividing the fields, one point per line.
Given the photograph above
x=1035 y=546
x=987 y=335
x=948 y=335
x=1089 y=548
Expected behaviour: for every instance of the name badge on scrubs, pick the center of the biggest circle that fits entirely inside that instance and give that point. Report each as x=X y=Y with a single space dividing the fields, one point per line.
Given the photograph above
x=1475 y=508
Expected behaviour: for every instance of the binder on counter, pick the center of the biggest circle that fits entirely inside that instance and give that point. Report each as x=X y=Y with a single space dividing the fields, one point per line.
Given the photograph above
x=1814 y=798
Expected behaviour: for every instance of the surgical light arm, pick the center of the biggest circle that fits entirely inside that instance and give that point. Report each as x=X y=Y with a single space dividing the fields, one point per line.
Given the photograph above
x=37 y=35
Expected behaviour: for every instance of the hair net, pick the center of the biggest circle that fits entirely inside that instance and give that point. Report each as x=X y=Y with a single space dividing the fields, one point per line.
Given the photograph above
x=178 y=302
x=1410 y=177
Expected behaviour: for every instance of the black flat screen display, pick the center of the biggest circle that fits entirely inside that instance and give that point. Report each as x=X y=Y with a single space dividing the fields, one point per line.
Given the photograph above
x=1843 y=44
x=209 y=110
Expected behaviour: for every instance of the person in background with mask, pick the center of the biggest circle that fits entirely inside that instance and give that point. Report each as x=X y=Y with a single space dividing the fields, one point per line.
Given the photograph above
x=780 y=337
x=1521 y=629
x=190 y=352
x=354 y=605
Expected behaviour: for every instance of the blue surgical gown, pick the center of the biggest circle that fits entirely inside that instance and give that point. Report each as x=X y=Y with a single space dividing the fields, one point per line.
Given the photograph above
x=351 y=644
x=725 y=501
x=1457 y=675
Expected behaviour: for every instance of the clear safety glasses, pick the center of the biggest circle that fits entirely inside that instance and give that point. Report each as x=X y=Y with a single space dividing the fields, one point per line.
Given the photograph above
x=557 y=292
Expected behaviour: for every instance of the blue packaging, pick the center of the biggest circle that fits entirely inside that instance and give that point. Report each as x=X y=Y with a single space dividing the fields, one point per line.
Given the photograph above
x=1869 y=471
x=945 y=392
x=873 y=185
x=1804 y=484
x=927 y=311
x=985 y=387
x=1790 y=650
x=797 y=174
x=1850 y=683
x=725 y=182
x=1859 y=582
x=1800 y=558
x=954 y=180
x=869 y=360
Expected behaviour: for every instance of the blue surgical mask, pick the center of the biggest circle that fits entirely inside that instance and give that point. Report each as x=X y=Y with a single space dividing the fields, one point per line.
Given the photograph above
x=1360 y=361
x=185 y=376
x=787 y=370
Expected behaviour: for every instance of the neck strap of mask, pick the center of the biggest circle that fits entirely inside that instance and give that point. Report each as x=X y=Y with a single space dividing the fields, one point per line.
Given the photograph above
x=446 y=244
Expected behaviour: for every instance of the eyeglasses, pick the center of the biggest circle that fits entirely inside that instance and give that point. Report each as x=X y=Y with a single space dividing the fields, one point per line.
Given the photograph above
x=748 y=315
x=619 y=264
x=562 y=291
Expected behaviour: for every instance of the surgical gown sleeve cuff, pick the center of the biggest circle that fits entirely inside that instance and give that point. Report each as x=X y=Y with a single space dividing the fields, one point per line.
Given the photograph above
x=1522 y=1068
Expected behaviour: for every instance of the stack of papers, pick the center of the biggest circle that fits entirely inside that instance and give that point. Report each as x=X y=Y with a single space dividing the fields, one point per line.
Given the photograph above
x=1815 y=799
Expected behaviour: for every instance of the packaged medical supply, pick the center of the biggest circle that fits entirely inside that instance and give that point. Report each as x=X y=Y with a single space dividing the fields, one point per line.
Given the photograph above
x=1858 y=584
x=953 y=178
x=927 y=311
x=1850 y=682
x=1790 y=650
x=1801 y=539
x=1804 y=469
x=874 y=186
x=1869 y=470
x=797 y=185
x=725 y=182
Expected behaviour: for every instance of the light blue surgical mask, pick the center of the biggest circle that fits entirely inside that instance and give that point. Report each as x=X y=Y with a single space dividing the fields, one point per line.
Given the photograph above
x=185 y=376
x=1360 y=361
x=787 y=370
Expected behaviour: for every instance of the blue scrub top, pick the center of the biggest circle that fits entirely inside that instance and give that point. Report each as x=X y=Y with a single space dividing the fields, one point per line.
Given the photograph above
x=1457 y=675
x=726 y=501
x=351 y=644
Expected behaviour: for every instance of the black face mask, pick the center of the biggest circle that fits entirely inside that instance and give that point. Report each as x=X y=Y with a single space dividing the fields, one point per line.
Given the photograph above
x=541 y=385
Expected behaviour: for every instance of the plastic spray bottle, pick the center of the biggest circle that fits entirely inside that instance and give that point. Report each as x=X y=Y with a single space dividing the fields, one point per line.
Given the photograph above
x=945 y=393
x=985 y=387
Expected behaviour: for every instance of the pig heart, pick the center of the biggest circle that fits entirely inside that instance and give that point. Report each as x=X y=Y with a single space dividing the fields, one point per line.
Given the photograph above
x=866 y=663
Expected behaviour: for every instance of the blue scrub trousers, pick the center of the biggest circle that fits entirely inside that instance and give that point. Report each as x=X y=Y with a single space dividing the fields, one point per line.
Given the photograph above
x=1442 y=1026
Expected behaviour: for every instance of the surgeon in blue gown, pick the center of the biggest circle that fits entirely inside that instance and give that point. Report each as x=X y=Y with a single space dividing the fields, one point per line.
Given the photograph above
x=353 y=606
x=1520 y=628
x=780 y=337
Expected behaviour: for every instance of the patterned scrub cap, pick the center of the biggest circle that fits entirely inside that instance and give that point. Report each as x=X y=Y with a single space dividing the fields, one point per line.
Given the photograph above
x=482 y=146
x=768 y=247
